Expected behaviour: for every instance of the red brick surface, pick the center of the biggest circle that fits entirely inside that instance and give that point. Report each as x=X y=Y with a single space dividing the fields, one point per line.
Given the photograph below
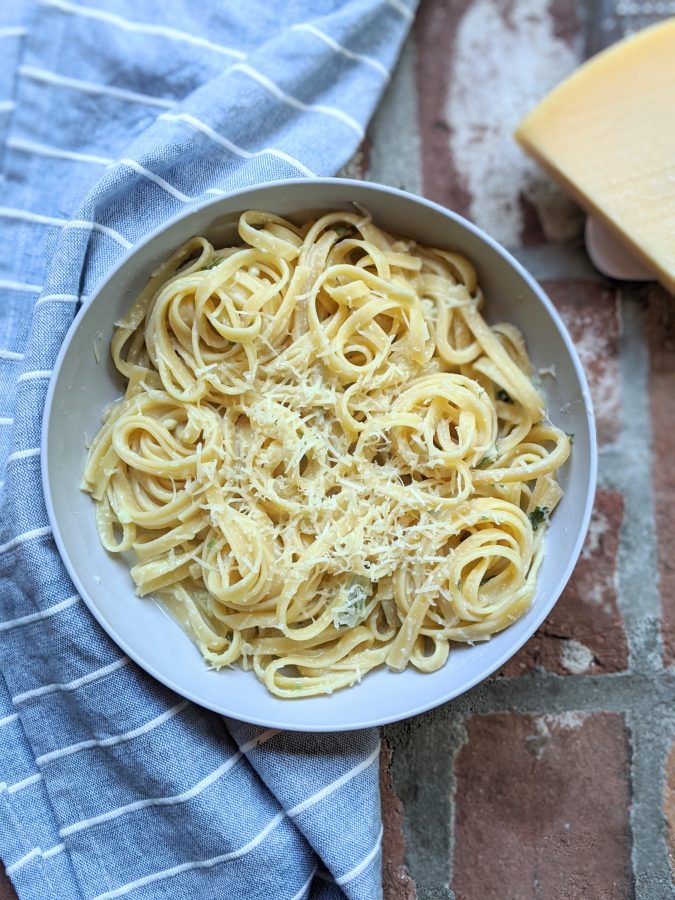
x=584 y=633
x=396 y=882
x=357 y=166
x=542 y=808
x=661 y=337
x=475 y=83
x=436 y=31
x=7 y=891
x=542 y=803
x=590 y=313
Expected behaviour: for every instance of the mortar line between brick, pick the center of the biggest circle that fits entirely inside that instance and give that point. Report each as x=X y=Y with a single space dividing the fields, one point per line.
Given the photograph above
x=542 y=692
x=637 y=565
x=424 y=781
x=647 y=701
x=626 y=693
x=651 y=736
x=395 y=125
x=461 y=737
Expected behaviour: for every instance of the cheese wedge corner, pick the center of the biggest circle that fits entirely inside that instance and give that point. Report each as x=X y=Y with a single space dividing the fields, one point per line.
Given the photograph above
x=607 y=134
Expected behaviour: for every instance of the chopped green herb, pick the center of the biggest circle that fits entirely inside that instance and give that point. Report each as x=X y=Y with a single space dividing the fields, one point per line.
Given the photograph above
x=538 y=516
x=570 y=435
x=488 y=459
x=352 y=608
x=213 y=263
x=343 y=230
x=503 y=396
x=210 y=543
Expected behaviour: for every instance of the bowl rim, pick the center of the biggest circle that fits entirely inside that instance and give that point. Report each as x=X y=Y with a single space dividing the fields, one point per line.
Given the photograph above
x=548 y=602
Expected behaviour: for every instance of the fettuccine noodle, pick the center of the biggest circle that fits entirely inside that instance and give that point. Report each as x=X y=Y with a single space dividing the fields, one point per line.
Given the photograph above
x=325 y=459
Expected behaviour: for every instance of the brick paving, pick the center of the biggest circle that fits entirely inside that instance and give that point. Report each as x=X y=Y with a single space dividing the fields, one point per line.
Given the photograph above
x=7 y=892
x=542 y=807
x=556 y=777
x=398 y=885
x=584 y=634
x=590 y=310
x=661 y=338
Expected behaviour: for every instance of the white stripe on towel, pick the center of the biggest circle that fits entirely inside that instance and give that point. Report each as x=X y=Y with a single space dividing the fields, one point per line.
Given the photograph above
x=178 y=798
x=26 y=536
x=32 y=854
x=340 y=48
x=103 y=229
x=141 y=27
x=35 y=374
x=9 y=212
x=43 y=614
x=20 y=785
x=233 y=148
x=200 y=864
x=56 y=152
x=89 y=87
x=71 y=685
x=57 y=298
x=335 y=785
x=116 y=739
x=24 y=859
x=157 y=179
x=20 y=286
x=289 y=100
x=363 y=865
x=27 y=215
x=400 y=7
x=23 y=454
x=303 y=890
x=194 y=791
x=262 y=738
x=7 y=719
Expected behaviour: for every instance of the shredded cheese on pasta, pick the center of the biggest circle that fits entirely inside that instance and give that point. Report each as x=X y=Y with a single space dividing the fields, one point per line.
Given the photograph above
x=325 y=459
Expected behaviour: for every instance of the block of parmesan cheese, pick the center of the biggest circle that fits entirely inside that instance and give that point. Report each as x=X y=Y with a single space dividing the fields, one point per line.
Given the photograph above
x=607 y=134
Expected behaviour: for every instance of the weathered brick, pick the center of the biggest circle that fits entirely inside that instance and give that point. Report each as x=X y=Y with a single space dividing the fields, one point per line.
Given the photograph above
x=542 y=808
x=358 y=164
x=435 y=37
x=7 y=891
x=474 y=84
x=396 y=881
x=661 y=339
x=590 y=312
x=669 y=806
x=584 y=632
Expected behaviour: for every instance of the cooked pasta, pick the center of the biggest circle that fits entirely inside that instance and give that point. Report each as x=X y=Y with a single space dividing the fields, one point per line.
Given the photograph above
x=325 y=459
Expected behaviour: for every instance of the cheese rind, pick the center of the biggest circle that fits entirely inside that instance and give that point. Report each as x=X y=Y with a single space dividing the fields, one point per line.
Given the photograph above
x=607 y=134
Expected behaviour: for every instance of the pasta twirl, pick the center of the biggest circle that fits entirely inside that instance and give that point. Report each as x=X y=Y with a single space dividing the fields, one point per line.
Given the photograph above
x=325 y=460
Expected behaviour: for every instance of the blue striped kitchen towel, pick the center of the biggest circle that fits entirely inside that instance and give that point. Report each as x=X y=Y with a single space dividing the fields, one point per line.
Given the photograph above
x=110 y=785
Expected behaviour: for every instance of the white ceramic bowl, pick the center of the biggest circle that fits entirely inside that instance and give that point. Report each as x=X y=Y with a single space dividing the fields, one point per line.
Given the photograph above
x=81 y=388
